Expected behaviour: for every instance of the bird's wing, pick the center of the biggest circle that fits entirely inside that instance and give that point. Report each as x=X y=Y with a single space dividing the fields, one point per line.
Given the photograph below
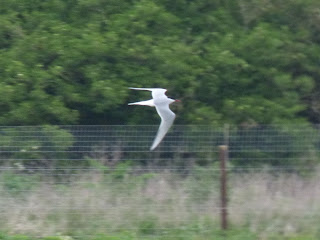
x=143 y=89
x=159 y=93
x=167 y=118
x=156 y=92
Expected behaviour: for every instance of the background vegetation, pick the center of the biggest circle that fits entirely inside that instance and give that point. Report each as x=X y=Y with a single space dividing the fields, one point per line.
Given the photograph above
x=164 y=205
x=242 y=62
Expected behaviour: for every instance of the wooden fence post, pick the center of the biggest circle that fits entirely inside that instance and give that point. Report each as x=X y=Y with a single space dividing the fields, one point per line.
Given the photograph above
x=223 y=156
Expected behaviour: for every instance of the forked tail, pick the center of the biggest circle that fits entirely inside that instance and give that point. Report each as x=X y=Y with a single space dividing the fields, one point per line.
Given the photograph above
x=144 y=103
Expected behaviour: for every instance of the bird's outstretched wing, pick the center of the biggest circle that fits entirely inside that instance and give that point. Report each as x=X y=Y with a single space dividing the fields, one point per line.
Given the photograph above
x=167 y=118
x=156 y=92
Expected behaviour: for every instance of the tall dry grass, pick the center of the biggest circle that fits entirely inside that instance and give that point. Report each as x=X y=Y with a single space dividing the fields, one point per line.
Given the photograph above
x=97 y=202
x=270 y=202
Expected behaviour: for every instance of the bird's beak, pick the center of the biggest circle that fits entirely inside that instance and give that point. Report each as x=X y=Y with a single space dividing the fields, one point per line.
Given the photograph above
x=177 y=100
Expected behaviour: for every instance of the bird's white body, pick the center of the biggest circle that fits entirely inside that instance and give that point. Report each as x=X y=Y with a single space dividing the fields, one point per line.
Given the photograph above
x=161 y=102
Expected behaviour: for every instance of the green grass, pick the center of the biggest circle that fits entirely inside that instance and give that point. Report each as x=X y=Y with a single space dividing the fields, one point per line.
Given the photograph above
x=102 y=206
x=235 y=234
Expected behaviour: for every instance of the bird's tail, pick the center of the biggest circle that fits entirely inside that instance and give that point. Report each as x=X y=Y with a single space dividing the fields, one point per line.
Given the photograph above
x=145 y=103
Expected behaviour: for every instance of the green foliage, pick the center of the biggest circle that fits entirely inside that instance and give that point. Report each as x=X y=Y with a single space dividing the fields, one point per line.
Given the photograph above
x=121 y=170
x=57 y=238
x=202 y=183
x=148 y=225
x=66 y=61
x=238 y=234
x=273 y=145
x=119 y=236
x=15 y=237
x=17 y=184
x=35 y=146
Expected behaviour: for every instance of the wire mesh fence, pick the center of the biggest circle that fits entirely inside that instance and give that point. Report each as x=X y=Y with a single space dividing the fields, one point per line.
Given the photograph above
x=83 y=180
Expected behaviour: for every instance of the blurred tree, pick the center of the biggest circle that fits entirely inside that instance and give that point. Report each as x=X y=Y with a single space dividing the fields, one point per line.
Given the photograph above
x=243 y=62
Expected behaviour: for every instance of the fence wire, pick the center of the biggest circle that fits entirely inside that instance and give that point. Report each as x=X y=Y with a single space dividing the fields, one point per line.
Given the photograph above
x=80 y=180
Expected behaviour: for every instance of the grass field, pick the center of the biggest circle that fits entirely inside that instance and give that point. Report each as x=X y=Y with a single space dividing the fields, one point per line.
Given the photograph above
x=125 y=204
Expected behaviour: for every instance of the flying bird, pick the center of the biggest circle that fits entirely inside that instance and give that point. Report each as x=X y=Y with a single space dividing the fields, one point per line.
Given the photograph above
x=161 y=102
